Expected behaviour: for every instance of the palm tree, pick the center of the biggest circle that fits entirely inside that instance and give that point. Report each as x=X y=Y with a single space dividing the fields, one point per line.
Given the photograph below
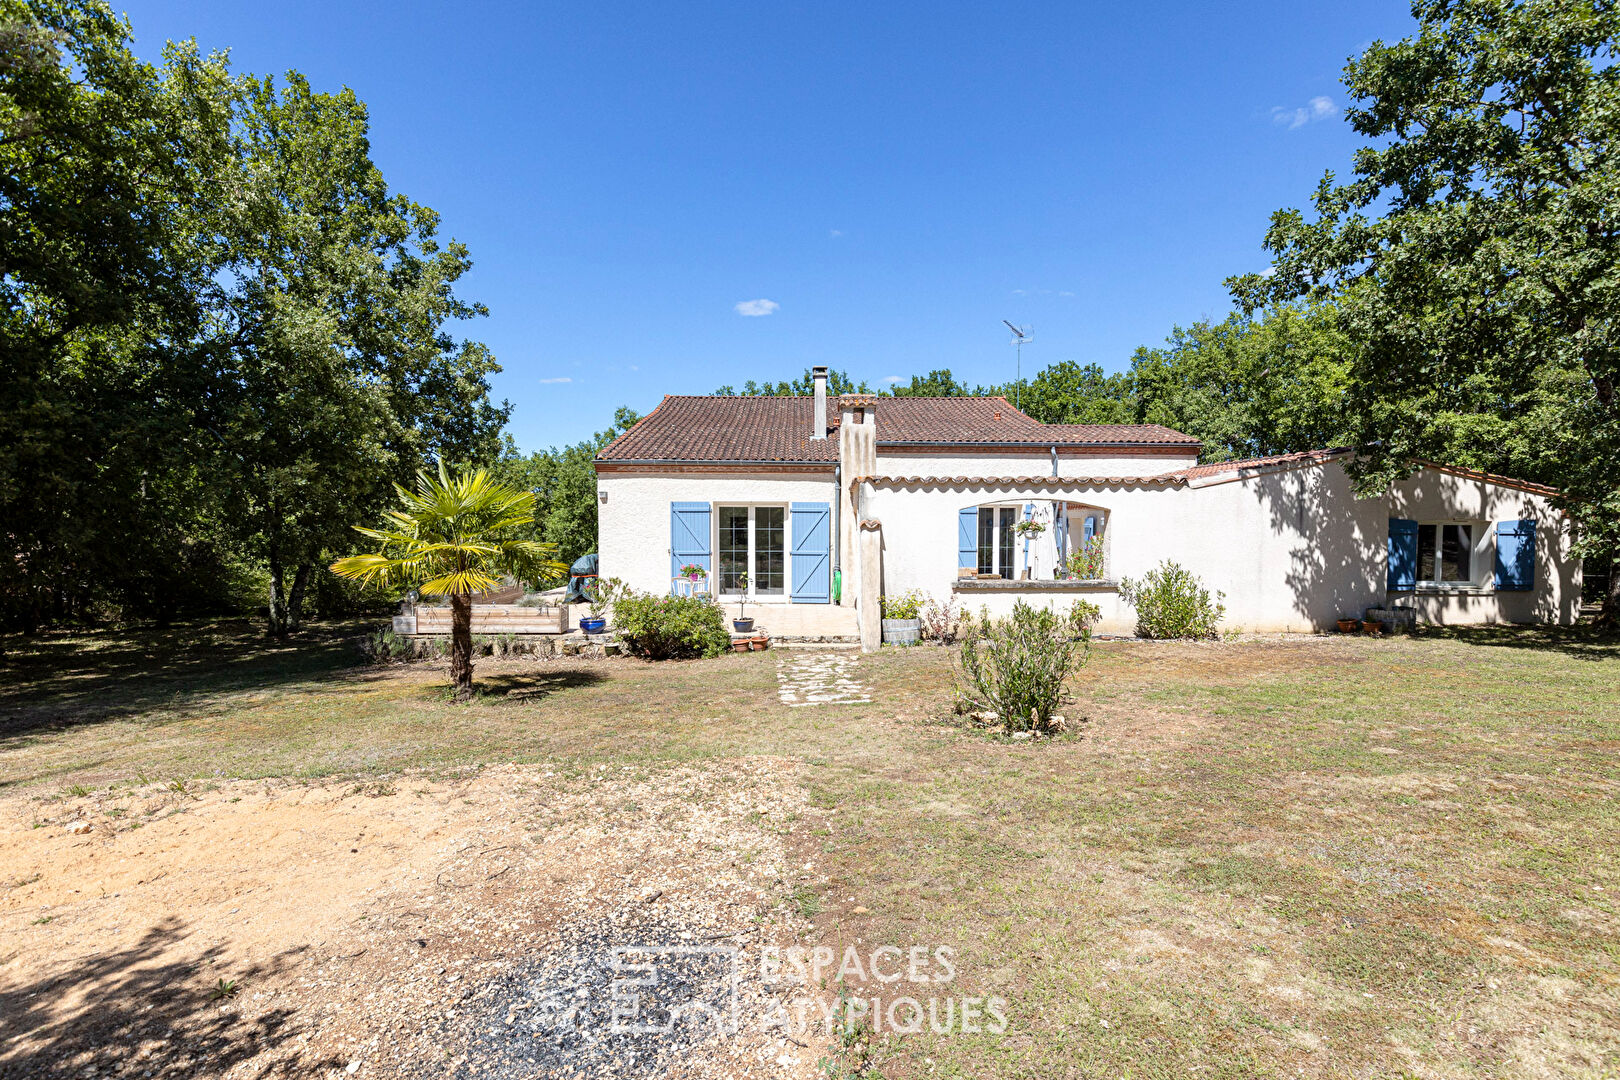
x=454 y=538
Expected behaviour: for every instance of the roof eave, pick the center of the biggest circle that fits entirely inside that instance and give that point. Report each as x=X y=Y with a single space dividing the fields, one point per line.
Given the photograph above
x=1062 y=443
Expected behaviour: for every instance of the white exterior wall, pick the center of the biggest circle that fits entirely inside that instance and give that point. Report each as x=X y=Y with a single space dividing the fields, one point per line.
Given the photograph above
x=1435 y=496
x=1031 y=464
x=1291 y=550
x=633 y=525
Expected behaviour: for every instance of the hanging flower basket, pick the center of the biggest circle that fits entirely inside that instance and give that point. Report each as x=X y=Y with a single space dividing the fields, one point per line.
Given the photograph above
x=1029 y=529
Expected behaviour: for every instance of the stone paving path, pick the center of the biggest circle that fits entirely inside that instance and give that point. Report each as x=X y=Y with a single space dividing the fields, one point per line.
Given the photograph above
x=819 y=679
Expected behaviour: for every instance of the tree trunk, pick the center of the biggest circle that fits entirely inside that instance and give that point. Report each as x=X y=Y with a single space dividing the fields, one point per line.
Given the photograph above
x=295 y=599
x=278 y=597
x=461 y=665
x=1610 y=616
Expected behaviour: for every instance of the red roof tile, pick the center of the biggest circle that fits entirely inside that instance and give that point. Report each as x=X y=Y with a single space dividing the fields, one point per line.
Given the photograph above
x=691 y=428
x=1216 y=468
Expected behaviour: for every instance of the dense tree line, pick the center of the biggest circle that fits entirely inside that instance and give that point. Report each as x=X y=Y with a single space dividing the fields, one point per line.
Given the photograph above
x=223 y=337
x=1454 y=300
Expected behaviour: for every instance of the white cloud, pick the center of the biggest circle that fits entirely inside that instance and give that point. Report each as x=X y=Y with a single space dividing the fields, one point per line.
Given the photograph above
x=562 y=379
x=1065 y=292
x=756 y=307
x=893 y=379
x=836 y=232
x=1318 y=108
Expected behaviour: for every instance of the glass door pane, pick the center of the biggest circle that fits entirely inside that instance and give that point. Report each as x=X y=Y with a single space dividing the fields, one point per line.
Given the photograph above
x=1456 y=546
x=1426 y=554
x=1005 y=535
x=733 y=547
x=987 y=540
x=770 y=552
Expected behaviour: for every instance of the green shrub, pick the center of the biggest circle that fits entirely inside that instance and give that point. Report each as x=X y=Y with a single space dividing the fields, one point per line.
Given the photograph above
x=670 y=627
x=906 y=605
x=385 y=645
x=1170 y=602
x=1016 y=667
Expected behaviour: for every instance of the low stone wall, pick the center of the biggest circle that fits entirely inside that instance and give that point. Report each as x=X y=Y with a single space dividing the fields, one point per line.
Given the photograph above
x=519 y=646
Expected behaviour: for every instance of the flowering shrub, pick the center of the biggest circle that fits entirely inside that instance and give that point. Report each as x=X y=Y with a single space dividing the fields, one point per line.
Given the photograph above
x=940 y=621
x=1087 y=563
x=1172 y=603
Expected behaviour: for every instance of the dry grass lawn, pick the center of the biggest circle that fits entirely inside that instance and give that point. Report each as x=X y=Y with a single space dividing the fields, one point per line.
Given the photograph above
x=1305 y=857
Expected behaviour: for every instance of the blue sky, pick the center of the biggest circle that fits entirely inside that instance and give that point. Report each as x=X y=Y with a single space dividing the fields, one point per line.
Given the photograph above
x=894 y=179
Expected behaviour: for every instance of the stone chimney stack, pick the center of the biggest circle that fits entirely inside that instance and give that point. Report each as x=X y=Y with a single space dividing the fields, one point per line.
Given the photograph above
x=818 y=375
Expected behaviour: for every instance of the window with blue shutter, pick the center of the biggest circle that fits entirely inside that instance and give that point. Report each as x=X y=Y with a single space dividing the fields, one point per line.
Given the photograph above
x=1515 y=554
x=812 y=553
x=688 y=538
x=1403 y=553
x=967 y=539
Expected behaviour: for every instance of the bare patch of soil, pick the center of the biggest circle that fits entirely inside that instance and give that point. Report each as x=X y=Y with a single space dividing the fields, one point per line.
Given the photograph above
x=394 y=928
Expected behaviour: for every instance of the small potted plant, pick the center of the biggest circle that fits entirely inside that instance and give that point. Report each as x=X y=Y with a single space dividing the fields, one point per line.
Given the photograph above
x=693 y=573
x=600 y=596
x=1349 y=626
x=742 y=624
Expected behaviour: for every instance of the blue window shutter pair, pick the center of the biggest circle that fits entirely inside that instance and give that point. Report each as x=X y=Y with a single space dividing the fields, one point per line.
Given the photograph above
x=812 y=553
x=688 y=538
x=1403 y=553
x=1515 y=554
x=967 y=538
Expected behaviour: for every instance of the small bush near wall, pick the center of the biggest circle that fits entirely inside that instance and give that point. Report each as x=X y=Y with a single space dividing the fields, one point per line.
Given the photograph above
x=906 y=605
x=1170 y=602
x=1016 y=667
x=670 y=627
x=941 y=622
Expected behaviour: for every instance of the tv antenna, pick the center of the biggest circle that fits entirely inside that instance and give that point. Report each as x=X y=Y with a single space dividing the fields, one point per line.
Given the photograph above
x=1021 y=336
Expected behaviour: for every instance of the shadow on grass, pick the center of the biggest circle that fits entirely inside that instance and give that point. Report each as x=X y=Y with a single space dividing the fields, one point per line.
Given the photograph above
x=520 y=687
x=103 y=1012
x=1582 y=641
x=65 y=679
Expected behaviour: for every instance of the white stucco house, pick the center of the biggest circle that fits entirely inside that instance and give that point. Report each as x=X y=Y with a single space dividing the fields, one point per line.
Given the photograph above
x=814 y=507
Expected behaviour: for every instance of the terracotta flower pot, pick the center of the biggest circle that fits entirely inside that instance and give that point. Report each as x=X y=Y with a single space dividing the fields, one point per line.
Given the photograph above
x=740 y=645
x=1372 y=626
x=759 y=643
x=1348 y=626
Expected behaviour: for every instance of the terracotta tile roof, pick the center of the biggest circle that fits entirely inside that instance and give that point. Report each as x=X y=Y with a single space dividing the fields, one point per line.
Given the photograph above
x=708 y=428
x=689 y=428
x=1216 y=468
x=1156 y=434
x=1162 y=480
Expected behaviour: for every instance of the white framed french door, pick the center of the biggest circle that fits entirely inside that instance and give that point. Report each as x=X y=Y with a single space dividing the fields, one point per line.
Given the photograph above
x=751 y=551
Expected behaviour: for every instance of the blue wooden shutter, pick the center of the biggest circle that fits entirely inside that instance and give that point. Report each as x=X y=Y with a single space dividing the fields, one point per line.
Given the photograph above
x=1515 y=554
x=688 y=538
x=1403 y=553
x=1091 y=527
x=812 y=553
x=967 y=538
